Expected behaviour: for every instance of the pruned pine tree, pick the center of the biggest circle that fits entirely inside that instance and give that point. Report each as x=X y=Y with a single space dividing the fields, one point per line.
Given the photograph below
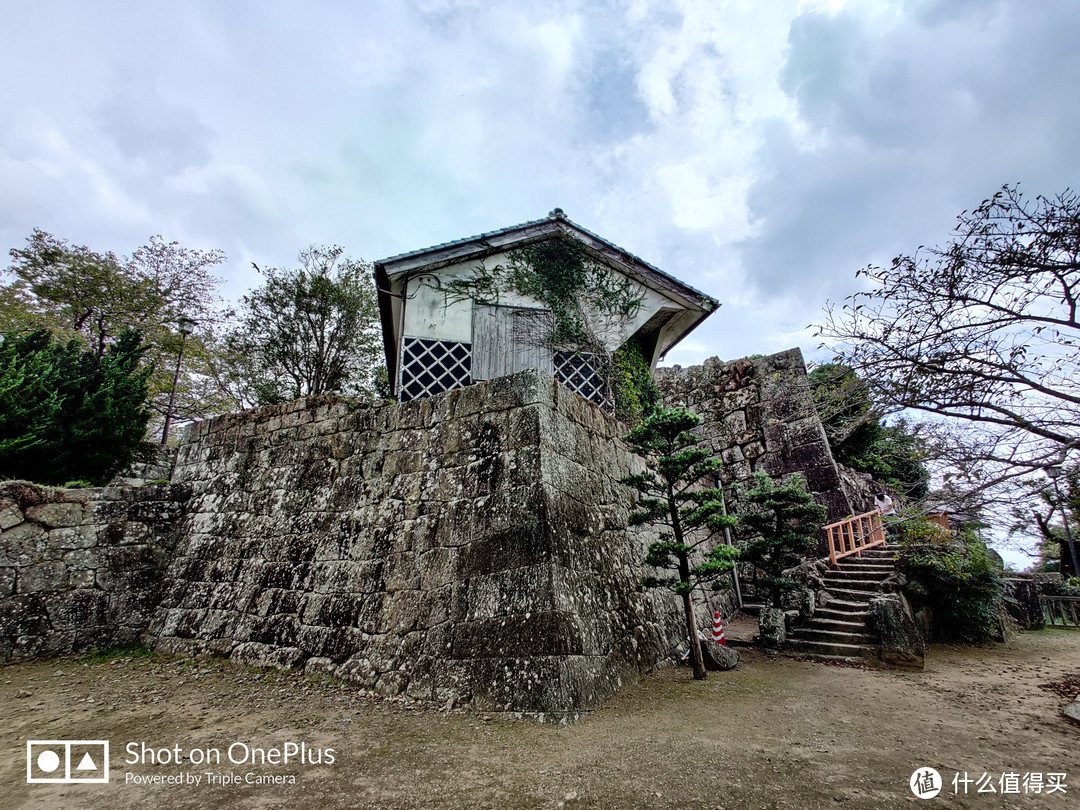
x=677 y=492
x=784 y=524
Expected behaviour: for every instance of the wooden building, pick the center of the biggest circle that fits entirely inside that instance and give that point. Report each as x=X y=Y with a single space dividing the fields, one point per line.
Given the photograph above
x=437 y=338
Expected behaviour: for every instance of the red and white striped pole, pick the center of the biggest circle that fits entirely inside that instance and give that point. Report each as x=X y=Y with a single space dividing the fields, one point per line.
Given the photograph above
x=718 y=629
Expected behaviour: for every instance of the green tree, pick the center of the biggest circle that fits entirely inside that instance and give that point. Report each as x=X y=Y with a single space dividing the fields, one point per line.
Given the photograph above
x=894 y=454
x=81 y=294
x=69 y=414
x=783 y=525
x=307 y=331
x=672 y=495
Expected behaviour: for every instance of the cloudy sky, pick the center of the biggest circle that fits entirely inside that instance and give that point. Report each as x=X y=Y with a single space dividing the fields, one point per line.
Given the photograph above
x=761 y=151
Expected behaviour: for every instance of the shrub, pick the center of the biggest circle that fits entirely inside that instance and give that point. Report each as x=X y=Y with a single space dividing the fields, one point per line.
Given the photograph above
x=919 y=530
x=960 y=581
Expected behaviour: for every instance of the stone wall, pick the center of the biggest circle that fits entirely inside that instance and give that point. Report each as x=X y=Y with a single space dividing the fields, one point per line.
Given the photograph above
x=81 y=567
x=759 y=416
x=472 y=545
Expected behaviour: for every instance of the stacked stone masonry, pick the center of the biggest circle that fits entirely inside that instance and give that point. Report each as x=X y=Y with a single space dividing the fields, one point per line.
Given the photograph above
x=759 y=416
x=471 y=545
x=81 y=568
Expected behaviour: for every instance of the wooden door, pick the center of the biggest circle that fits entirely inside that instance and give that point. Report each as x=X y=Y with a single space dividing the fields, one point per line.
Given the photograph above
x=509 y=339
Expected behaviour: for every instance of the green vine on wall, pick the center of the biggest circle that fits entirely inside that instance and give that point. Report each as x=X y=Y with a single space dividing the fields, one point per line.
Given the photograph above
x=585 y=297
x=636 y=396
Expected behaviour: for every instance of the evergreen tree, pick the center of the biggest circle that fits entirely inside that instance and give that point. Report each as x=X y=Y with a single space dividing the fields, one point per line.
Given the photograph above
x=785 y=522
x=672 y=496
x=67 y=414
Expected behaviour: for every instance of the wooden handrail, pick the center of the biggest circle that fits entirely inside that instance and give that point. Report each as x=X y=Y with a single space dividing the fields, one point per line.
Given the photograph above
x=1064 y=608
x=852 y=535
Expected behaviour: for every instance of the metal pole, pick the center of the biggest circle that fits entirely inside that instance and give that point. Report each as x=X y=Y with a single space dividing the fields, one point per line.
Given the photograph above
x=1068 y=532
x=727 y=541
x=172 y=394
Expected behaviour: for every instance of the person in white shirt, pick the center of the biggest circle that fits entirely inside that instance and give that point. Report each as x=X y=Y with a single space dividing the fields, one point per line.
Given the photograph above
x=883 y=503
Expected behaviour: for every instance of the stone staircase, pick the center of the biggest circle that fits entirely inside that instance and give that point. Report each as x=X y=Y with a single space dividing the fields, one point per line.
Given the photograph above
x=838 y=628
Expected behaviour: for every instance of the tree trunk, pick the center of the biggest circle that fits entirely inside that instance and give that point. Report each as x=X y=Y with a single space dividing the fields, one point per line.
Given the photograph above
x=695 y=644
x=684 y=577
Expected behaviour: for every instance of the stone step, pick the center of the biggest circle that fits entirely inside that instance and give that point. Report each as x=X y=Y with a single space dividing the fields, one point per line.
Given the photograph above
x=845 y=606
x=860 y=585
x=862 y=572
x=868 y=564
x=836 y=650
x=853 y=593
x=831 y=636
x=856 y=625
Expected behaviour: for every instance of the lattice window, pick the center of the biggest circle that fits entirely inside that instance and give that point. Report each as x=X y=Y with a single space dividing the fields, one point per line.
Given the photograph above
x=430 y=367
x=575 y=370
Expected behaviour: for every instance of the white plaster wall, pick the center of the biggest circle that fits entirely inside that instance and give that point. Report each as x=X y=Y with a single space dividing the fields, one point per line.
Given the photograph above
x=428 y=313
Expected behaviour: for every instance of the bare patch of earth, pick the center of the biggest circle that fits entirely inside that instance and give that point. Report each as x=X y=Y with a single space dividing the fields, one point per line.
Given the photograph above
x=775 y=733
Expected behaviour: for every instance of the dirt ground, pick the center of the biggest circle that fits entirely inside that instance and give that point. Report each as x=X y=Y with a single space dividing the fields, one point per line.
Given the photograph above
x=775 y=733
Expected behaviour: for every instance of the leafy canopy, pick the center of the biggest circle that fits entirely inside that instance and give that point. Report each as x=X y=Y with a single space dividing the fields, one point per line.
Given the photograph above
x=959 y=579
x=859 y=437
x=784 y=520
x=983 y=330
x=70 y=414
x=305 y=331
x=91 y=297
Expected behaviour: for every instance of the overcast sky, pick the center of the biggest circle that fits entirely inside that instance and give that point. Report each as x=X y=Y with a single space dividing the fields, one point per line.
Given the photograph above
x=760 y=151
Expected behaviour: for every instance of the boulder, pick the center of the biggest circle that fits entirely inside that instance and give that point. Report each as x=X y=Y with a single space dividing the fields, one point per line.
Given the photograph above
x=807 y=604
x=1072 y=711
x=772 y=632
x=902 y=644
x=718 y=657
x=1022 y=603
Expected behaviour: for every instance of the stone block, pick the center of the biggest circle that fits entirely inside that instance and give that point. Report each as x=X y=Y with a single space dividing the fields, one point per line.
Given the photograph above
x=22 y=545
x=49 y=576
x=78 y=609
x=80 y=578
x=10 y=513
x=263 y=656
x=1022 y=603
x=902 y=644
x=73 y=537
x=718 y=657
x=58 y=515
x=7 y=582
x=772 y=630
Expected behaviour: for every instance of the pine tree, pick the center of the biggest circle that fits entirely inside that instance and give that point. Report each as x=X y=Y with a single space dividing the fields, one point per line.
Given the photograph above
x=67 y=414
x=785 y=523
x=672 y=495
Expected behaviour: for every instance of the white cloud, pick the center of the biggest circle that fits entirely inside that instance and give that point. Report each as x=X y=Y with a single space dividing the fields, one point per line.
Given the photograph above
x=763 y=152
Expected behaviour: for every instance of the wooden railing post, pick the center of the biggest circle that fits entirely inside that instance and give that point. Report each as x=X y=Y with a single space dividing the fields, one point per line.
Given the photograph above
x=851 y=536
